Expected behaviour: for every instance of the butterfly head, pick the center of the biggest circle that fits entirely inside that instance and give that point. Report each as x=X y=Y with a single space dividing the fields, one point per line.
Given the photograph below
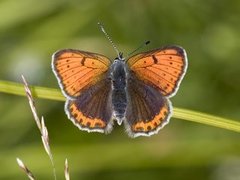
x=119 y=57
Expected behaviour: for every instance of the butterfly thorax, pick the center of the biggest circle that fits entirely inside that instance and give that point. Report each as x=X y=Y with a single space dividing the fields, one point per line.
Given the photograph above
x=119 y=96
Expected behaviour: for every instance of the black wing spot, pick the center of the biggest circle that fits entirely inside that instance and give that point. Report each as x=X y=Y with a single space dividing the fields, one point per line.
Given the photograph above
x=149 y=128
x=155 y=60
x=88 y=124
x=165 y=113
x=83 y=61
x=75 y=115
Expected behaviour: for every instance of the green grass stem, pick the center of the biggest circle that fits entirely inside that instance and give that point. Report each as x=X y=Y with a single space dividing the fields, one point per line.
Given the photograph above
x=179 y=113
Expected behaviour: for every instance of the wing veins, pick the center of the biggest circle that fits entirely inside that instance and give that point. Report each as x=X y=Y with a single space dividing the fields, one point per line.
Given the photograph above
x=156 y=74
x=80 y=79
x=149 y=77
x=157 y=64
x=143 y=102
x=151 y=54
x=169 y=66
x=100 y=102
x=162 y=77
x=80 y=58
x=65 y=58
x=161 y=70
x=169 y=60
x=139 y=109
x=134 y=110
x=78 y=73
x=166 y=54
x=62 y=72
x=70 y=62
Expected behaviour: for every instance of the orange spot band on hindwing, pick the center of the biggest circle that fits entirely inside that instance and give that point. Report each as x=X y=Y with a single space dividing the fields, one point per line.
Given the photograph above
x=151 y=125
x=83 y=121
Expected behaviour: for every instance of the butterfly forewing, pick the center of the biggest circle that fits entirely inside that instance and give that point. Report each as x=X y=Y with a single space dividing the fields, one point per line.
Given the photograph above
x=77 y=70
x=162 y=68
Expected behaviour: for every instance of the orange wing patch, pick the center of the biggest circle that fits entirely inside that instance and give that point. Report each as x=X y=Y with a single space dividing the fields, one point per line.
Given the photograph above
x=162 y=68
x=152 y=126
x=84 y=122
x=77 y=70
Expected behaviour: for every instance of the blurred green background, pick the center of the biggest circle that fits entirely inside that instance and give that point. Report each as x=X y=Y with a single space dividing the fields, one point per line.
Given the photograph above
x=31 y=31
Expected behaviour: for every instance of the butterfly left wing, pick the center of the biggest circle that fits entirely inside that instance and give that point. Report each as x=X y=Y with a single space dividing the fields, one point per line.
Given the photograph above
x=83 y=78
x=92 y=109
x=77 y=70
x=161 y=68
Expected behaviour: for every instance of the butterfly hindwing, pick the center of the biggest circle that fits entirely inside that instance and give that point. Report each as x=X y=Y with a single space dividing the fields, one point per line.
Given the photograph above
x=92 y=110
x=161 y=68
x=147 y=110
x=77 y=70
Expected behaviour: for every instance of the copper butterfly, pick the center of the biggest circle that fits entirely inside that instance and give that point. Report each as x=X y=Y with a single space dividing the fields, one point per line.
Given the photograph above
x=134 y=91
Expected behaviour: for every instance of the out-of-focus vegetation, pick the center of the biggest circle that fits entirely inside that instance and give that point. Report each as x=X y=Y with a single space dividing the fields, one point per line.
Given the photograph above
x=31 y=31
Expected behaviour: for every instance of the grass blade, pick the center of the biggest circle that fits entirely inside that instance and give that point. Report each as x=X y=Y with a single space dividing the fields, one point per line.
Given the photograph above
x=184 y=114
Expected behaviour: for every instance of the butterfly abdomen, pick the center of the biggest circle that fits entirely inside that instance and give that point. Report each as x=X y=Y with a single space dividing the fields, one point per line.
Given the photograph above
x=119 y=97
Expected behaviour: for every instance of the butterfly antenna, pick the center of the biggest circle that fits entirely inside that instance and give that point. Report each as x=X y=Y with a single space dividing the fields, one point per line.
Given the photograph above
x=141 y=46
x=110 y=40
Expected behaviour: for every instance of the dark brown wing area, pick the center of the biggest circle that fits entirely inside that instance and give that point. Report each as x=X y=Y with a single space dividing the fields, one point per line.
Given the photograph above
x=92 y=110
x=148 y=110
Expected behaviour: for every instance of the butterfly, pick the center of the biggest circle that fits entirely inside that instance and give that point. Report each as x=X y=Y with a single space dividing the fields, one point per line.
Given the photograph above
x=134 y=91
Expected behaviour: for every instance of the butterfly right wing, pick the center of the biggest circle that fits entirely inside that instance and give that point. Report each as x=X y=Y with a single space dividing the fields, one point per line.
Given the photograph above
x=162 y=68
x=147 y=111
